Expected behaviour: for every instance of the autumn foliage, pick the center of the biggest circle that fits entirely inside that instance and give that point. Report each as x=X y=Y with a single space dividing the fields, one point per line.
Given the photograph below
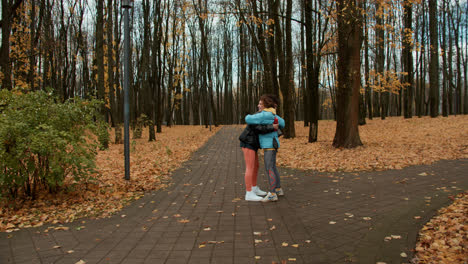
x=444 y=238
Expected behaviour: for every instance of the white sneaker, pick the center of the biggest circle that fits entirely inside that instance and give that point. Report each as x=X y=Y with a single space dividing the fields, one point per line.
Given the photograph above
x=251 y=196
x=271 y=197
x=279 y=192
x=257 y=191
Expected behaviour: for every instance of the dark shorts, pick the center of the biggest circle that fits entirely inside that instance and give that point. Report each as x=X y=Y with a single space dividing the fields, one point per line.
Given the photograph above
x=245 y=145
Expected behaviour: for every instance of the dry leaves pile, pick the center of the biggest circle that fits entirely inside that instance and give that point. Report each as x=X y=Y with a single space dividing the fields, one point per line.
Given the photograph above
x=445 y=238
x=150 y=165
x=393 y=143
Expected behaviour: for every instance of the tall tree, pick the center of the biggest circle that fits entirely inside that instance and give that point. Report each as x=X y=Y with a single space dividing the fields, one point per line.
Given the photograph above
x=316 y=25
x=349 y=74
x=9 y=8
x=110 y=62
x=434 y=63
x=380 y=55
x=443 y=42
x=99 y=50
x=368 y=98
x=407 y=59
x=285 y=59
x=261 y=29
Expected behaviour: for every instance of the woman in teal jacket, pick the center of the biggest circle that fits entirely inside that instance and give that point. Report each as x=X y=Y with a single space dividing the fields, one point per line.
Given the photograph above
x=269 y=142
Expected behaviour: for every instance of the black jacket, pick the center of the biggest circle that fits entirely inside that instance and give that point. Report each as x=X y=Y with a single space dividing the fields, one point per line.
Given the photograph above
x=249 y=136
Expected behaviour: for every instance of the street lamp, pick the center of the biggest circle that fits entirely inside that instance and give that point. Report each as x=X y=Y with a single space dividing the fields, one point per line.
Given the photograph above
x=126 y=5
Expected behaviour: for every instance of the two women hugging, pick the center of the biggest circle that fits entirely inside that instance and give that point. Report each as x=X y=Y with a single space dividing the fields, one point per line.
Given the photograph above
x=262 y=132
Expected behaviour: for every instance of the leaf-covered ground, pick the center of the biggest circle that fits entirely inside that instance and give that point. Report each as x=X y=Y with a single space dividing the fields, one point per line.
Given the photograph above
x=393 y=143
x=150 y=166
x=444 y=239
x=388 y=144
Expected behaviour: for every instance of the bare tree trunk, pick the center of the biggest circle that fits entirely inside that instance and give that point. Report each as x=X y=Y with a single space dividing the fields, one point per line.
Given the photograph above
x=312 y=90
x=457 y=22
x=444 y=61
x=285 y=71
x=349 y=74
x=434 y=63
x=380 y=55
x=110 y=63
x=366 y=68
x=9 y=8
x=99 y=48
x=408 y=58
x=118 y=91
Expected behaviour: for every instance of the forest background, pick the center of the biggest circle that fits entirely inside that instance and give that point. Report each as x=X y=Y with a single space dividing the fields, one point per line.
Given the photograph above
x=207 y=62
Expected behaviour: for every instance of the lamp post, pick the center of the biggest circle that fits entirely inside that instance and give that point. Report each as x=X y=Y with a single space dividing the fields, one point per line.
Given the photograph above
x=126 y=5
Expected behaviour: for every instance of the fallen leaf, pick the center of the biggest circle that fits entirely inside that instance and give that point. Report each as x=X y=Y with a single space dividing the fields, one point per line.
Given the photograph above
x=183 y=221
x=295 y=245
x=55 y=247
x=367 y=218
x=70 y=251
x=257 y=257
x=81 y=262
x=273 y=228
x=284 y=244
x=215 y=242
x=403 y=255
x=332 y=222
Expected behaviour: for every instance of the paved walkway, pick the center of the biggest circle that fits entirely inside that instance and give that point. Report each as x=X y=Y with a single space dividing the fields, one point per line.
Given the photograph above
x=202 y=218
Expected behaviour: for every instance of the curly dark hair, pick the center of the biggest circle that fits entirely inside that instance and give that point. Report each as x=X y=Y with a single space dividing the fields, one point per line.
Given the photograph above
x=269 y=100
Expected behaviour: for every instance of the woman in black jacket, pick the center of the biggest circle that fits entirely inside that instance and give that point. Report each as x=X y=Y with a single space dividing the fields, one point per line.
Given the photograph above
x=250 y=144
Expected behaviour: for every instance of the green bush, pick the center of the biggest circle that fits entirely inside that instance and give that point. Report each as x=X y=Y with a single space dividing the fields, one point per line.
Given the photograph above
x=103 y=135
x=42 y=142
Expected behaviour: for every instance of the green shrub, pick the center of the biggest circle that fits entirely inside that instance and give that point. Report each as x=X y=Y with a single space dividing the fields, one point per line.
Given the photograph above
x=103 y=135
x=42 y=142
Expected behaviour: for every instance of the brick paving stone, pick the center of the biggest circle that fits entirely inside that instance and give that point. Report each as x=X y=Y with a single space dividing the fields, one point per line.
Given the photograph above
x=208 y=191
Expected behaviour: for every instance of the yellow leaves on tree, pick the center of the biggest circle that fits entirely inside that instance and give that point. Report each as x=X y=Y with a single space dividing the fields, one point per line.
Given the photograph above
x=22 y=48
x=388 y=82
